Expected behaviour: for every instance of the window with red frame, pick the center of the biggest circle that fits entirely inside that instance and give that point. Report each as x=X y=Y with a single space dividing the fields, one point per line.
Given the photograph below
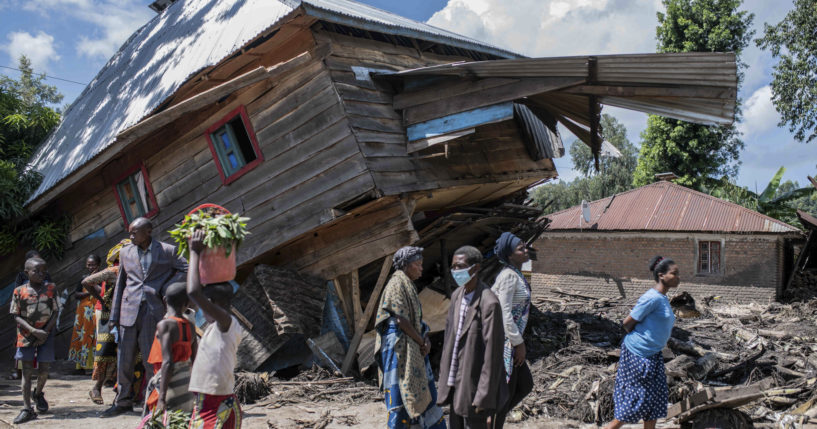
x=709 y=257
x=135 y=195
x=234 y=146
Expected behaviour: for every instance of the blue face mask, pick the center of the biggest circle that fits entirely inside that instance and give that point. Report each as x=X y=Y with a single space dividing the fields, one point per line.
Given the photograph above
x=462 y=276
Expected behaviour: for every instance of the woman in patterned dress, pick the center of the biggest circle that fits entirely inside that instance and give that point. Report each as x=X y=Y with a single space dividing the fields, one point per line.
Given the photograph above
x=641 y=383
x=83 y=339
x=101 y=285
x=401 y=349
x=513 y=291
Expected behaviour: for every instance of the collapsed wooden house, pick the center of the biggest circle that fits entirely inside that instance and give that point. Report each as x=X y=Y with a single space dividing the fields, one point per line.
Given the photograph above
x=341 y=130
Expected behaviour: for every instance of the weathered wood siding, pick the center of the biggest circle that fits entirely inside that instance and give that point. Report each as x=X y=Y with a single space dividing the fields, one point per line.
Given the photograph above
x=494 y=153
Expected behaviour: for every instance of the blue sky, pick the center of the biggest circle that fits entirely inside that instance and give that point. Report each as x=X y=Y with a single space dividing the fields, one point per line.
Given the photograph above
x=72 y=39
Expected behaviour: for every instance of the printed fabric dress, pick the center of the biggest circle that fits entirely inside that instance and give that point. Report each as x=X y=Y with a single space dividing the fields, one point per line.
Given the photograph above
x=83 y=339
x=410 y=392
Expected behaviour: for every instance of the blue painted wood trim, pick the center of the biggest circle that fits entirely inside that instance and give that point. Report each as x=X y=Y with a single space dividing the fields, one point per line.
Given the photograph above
x=460 y=121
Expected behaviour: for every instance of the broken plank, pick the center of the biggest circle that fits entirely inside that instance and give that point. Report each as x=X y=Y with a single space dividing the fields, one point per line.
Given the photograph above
x=374 y=301
x=355 y=286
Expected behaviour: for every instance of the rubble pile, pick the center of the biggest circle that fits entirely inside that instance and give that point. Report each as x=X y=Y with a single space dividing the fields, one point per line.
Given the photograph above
x=729 y=365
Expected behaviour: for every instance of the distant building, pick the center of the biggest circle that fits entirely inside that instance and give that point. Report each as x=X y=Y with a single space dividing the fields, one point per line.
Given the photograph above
x=721 y=248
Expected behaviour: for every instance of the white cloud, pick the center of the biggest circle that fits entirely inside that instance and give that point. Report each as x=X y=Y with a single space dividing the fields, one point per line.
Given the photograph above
x=555 y=27
x=759 y=115
x=112 y=22
x=38 y=48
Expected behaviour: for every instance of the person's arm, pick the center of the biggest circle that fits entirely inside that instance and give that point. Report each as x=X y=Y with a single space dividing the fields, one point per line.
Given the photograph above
x=118 y=291
x=406 y=326
x=167 y=335
x=195 y=290
x=92 y=284
x=629 y=324
x=642 y=308
x=492 y=372
x=194 y=342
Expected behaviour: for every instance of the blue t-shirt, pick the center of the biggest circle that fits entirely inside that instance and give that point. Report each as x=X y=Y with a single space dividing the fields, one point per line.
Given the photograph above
x=655 y=319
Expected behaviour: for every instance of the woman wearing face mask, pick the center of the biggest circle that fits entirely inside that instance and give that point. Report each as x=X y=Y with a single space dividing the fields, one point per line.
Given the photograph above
x=513 y=291
x=402 y=346
x=641 y=384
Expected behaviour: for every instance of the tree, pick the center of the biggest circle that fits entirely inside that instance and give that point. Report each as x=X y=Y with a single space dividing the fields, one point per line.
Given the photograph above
x=614 y=175
x=695 y=152
x=794 y=79
x=26 y=119
x=778 y=200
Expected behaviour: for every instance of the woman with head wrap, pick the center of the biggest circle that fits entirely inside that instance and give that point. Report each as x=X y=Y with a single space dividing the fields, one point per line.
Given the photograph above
x=402 y=346
x=101 y=286
x=513 y=291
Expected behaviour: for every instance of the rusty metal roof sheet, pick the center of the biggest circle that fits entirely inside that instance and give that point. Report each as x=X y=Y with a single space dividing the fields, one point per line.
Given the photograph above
x=665 y=206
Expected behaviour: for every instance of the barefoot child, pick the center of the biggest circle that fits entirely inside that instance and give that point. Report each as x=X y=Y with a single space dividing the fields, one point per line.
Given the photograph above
x=34 y=307
x=173 y=350
x=213 y=377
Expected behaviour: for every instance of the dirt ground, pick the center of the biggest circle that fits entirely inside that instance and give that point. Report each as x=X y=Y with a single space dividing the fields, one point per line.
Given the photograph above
x=71 y=408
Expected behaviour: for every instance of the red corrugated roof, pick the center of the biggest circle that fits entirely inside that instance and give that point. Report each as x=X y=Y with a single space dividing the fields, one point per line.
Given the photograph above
x=665 y=206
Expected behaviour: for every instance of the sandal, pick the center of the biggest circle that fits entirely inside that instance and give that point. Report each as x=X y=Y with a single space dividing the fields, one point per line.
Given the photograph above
x=96 y=399
x=27 y=414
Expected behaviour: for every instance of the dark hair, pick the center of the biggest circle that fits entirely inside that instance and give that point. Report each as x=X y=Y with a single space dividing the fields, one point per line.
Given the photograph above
x=95 y=257
x=660 y=265
x=176 y=295
x=219 y=292
x=471 y=253
x=32 y=254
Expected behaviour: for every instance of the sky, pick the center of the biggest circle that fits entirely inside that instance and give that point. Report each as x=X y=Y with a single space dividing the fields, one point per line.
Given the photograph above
x=72 y=39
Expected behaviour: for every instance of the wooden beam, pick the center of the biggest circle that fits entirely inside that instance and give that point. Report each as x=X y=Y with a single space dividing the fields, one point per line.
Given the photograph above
x=421 y=144
x=355 y=284
x=343 y=301
x=446 y=268
x=371 y=306
x=460 y=121
x=444 y=90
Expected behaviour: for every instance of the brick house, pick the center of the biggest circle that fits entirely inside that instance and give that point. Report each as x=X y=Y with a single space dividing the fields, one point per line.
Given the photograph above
x=721 y=248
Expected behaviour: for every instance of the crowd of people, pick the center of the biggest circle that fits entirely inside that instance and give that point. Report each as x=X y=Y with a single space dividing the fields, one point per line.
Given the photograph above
x=138 y=306
x=483 y=370
x=141 y=301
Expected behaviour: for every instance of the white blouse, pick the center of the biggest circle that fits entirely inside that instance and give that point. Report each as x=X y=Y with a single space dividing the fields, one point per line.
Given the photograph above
x=511 y=291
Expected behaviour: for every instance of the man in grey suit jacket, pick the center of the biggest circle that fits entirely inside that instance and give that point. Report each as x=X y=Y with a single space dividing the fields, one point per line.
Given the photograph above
x=146 y=268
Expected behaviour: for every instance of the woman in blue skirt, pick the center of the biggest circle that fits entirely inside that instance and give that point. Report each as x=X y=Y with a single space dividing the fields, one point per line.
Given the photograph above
x=641 y=385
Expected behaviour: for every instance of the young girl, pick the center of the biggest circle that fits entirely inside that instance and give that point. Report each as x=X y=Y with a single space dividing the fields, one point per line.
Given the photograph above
x=641 y=385
x=213 y=377
x=173 y=350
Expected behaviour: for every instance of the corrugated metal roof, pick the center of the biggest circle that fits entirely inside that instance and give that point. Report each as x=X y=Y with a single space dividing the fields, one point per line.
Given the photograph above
x=187 y=37
x=354 y=14
x=665 y=206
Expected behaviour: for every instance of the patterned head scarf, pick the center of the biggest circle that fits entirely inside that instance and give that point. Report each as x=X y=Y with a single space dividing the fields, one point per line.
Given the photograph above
x=113 y=254
x=405 y=256
x=505 y=246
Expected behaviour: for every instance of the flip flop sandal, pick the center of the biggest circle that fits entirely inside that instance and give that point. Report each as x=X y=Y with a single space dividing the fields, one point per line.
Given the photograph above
x=96 y=399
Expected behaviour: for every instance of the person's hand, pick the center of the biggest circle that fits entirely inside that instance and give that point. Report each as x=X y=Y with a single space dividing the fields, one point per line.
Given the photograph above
x=477 y=409
x=197 y=241
x=519 y=354
x=40 y=335
x=112 y=325
x=161 y=406
x=426 y=347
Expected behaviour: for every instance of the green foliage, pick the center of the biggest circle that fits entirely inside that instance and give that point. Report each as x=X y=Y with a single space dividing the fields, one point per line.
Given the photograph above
x=778 y=200
x=794 y=79
x=176 y=419
x=220 y=230
x=695 y=152
x=26 y=119
x=614 y=175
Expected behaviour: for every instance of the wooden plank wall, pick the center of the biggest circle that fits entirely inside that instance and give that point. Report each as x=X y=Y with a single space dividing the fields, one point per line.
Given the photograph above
x=486 y=156
x=311 y=163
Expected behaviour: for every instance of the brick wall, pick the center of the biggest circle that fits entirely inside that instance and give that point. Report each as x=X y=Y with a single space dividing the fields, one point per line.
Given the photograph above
x=752 y=263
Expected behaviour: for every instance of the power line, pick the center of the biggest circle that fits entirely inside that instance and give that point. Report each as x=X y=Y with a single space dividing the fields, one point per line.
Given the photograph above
x=49 y=77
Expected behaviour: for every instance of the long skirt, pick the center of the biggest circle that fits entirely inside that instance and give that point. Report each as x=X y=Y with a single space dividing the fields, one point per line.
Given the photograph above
x=215 y=412
x=177 y=396
x=105 y=352
x=641 y=391
x=83 y=340
x=432 y=417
